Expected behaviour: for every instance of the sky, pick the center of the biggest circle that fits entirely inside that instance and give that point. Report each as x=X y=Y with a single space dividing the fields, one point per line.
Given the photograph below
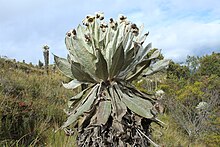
x=177 y=27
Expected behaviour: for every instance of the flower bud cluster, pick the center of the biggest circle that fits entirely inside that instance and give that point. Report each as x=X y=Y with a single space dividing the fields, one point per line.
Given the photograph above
x=103 y=26
x=134 y=29
x=71 y=33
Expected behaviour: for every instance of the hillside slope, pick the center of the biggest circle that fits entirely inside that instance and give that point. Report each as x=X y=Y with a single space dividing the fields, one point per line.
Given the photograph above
x=31 y=105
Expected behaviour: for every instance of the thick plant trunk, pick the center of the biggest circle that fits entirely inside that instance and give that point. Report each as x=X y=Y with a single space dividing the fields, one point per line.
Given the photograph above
x=131 y=132
x=46 y=59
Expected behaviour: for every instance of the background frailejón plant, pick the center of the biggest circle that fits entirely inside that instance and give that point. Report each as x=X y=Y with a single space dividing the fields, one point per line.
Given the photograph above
x=46 y=57
x=108 y=57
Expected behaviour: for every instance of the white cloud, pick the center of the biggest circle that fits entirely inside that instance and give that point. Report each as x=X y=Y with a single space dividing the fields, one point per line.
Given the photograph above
x=187 y=38
x=178 y=27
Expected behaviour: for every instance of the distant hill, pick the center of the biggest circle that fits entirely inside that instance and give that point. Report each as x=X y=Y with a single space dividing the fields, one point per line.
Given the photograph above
x=12 y=64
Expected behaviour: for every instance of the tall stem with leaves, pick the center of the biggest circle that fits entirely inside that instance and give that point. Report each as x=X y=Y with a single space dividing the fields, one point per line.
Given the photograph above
x=46 y=57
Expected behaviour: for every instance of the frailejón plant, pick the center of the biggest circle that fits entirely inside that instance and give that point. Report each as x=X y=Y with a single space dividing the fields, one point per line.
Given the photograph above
x=108 y=57
x=46 y=57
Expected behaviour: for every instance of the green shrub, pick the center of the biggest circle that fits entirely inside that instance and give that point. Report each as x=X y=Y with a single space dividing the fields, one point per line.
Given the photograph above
x=30 y=106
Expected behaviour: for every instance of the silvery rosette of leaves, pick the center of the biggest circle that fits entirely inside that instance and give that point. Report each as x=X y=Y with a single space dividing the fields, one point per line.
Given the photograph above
x=108 y=57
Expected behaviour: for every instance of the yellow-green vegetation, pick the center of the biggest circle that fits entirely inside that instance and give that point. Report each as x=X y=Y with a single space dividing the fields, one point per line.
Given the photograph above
x=172 y=135
x=192 y=103
x=191 y=90
x=31 y=106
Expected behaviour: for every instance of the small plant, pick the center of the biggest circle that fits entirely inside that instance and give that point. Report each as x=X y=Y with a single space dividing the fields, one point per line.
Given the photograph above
x=40 y=64
x=108 y=57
